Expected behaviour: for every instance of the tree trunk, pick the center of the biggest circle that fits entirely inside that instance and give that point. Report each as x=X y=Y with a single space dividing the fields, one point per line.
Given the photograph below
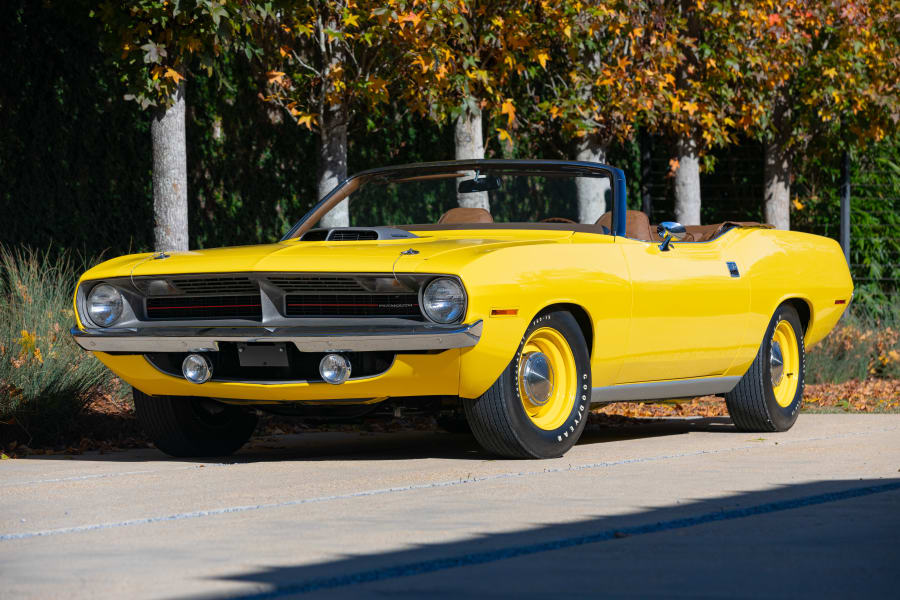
x=333 y=120
x=777 y=176
x=469 y=145
x=333 y=162
x=687 y=183
x=591 y=191
x=170 y=211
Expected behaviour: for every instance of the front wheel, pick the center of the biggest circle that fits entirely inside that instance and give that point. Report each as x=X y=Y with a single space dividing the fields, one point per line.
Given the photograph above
x=768 y=396
x=538 y=406
x=193 y=427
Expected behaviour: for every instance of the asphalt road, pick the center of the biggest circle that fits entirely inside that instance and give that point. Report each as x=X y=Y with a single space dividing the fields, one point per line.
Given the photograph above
x=679 y=508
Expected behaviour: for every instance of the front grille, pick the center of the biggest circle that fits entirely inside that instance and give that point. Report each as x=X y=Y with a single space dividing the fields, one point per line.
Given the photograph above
x=353 y=305
x=352 y=236
x=205 y=307
x=316 y=283
x=190 y=286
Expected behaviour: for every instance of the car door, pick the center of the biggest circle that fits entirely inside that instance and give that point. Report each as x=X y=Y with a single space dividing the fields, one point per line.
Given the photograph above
x=688 y=309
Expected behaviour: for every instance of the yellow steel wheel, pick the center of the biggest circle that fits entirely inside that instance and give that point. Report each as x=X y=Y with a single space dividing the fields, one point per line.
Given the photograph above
x=548 y=378
x=537 y=407
x=784 y=363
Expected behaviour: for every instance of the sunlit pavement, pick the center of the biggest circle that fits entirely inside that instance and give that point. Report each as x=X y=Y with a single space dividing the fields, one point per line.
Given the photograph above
x=675 y=508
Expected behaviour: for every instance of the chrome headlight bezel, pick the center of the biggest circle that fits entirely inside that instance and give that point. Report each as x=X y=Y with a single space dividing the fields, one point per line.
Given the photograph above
x=115 y=300
x=459 y=308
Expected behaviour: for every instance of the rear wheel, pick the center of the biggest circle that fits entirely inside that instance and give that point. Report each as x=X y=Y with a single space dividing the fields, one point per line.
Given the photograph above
x=538 y=406
x=189 y=427
x=769 y=395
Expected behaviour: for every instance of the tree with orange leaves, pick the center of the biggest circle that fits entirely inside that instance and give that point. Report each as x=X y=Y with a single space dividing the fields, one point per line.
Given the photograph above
x=701 y=109
x=467 y=59
x=611 y=67
x=156 y=47
x=324 y=61
x=825 y=70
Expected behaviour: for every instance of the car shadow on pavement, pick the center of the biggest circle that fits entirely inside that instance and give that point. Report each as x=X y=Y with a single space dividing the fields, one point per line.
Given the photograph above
x=366 y=446
x=825 y=539
x=438 y=444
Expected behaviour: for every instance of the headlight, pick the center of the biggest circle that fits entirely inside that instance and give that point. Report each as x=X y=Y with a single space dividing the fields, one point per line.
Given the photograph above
x=444 y=300
x=104 y=305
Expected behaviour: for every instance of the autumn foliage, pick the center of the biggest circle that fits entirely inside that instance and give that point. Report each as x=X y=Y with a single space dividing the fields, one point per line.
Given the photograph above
x=710 y=71
x=156 y=45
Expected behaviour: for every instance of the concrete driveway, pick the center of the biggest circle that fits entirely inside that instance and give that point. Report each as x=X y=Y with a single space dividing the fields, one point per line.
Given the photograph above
x=685 y=507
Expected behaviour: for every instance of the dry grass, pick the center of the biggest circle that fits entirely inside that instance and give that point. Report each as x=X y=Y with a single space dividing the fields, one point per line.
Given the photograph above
x=45 y=378
x=860 y=347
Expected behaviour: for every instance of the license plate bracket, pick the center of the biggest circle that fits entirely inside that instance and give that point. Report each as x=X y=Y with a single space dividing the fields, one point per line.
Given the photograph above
x=263 y=355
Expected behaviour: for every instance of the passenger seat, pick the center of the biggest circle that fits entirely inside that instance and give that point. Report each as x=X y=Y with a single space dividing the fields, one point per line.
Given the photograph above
x=462 y=215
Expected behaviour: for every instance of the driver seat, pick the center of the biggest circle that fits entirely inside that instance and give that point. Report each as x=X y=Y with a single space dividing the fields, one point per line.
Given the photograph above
x=461 y=214
x=637 y=225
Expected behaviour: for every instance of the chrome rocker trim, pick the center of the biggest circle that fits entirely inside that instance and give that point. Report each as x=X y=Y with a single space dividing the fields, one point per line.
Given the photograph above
x=428 y=336
x=664 y=390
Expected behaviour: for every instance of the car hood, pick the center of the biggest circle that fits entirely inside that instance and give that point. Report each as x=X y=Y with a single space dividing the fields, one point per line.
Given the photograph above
x=384 y=256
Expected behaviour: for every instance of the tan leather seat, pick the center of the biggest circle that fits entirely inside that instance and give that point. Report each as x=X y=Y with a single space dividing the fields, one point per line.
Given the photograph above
x=465 y=215
x=605 y=222
x=701 y=233
x=637 y=225
x=706 y=233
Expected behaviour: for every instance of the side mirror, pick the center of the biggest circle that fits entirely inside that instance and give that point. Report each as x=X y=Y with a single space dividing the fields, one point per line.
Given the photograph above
x=668 y=231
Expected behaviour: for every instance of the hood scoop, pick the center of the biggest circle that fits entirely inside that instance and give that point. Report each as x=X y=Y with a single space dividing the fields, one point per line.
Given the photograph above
x=355 y=234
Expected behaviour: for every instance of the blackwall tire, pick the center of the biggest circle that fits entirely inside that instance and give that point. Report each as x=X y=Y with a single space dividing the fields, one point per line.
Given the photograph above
x=193 y=427
x=507 y=421
x=757 y=404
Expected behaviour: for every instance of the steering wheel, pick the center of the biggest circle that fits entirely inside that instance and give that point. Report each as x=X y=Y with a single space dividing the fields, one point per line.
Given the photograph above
x=558 y=220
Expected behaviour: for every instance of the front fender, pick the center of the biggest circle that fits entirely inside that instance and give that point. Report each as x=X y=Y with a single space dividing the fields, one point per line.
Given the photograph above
x=586 y=271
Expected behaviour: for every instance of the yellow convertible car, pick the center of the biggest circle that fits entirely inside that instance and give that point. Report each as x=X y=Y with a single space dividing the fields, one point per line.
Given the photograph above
x=499 y=308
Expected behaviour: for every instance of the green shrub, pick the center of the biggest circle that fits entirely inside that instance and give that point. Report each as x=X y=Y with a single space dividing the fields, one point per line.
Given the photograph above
x=45 y=378
x=864 y=344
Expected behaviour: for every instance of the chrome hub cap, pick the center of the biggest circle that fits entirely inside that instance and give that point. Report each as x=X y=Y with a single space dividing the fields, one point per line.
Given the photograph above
x=776 y=364
x=536 y=376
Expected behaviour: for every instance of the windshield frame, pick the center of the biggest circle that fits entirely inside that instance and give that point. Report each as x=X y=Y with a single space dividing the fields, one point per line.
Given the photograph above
x=400 y=173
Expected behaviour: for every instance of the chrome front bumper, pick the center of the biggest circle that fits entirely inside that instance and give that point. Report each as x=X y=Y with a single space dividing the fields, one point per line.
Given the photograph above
x=427 y=336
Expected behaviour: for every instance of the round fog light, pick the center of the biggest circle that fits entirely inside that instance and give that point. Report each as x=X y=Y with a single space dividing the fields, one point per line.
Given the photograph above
x=196 y=368
x=334 y=368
